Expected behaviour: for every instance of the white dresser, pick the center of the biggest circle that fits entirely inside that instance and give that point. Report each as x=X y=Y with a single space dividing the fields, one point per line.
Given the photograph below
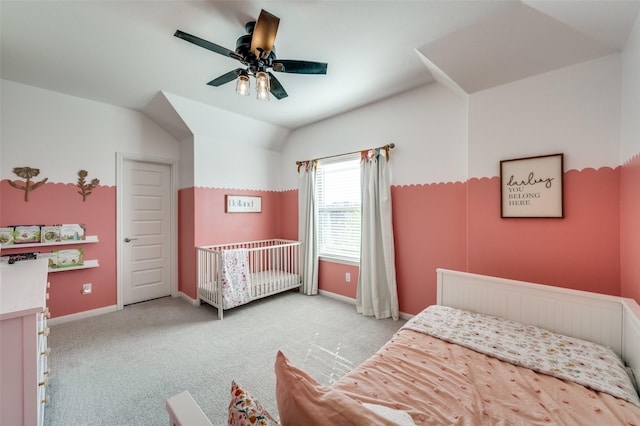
x=23 y=342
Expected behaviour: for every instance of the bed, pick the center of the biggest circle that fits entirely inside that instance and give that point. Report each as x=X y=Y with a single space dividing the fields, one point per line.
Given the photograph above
x=426 y=378
x=234 y=274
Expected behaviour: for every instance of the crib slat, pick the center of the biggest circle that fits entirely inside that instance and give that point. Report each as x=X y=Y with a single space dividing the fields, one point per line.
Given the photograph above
x=274 y=267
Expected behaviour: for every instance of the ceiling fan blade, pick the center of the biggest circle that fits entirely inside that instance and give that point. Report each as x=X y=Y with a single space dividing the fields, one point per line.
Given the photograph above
x=264 y=34
x=225 y=78
x=207 y=45
x=299 y=67
x=276 y=88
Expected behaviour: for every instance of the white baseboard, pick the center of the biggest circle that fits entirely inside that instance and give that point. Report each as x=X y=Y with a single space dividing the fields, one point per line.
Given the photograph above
x=337 y=297
x=82 y=315
x=105 y=310
x=194 y=302
x=406 y=317
x=352 y=301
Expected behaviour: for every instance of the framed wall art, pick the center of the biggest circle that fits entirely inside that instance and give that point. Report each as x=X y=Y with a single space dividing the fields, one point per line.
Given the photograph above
x=532 y=187
x=242 y=204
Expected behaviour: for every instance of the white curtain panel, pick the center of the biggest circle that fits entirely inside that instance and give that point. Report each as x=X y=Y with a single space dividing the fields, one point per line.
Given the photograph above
x=307 y=231
x=377 y=293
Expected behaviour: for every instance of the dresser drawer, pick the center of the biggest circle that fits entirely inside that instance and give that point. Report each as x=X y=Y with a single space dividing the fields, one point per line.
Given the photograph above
x=23 y=337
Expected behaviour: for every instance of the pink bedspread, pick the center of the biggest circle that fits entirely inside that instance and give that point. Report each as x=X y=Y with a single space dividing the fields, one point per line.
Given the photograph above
x=441 y=383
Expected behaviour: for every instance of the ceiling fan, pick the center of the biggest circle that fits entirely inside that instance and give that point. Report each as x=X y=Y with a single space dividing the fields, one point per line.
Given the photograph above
x=256 y=51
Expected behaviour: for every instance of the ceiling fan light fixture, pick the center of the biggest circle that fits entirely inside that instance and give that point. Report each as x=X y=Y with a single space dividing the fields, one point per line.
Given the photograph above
x=243 y=85
x=262 y=86
x=257 y=53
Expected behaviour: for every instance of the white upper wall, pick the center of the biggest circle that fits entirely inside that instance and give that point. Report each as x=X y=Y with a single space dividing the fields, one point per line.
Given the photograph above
x=631 y=95
x=428 y=126
x=574 y=110
x=187 y=162
x=206 y=121
x=219 y=163
x=226 y=150
x=61 y=134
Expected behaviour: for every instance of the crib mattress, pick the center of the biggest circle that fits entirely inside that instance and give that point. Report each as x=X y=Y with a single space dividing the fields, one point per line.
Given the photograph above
x=268 y=276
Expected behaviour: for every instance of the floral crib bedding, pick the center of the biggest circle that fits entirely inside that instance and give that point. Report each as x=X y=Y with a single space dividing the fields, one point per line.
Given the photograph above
x=235 y=278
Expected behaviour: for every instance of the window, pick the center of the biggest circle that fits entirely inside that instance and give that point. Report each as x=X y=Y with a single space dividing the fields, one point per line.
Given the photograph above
x=338 y=192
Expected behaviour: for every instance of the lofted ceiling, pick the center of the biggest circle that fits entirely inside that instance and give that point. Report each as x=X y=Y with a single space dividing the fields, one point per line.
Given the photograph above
x=124 y=52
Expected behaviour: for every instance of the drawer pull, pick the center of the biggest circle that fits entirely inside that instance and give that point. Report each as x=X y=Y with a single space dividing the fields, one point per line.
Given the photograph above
x=45 y=332
x=48 y=284
x=44 y=383
x=46 y=352
x=47 y=295
x=47 y=373
x=46 y=400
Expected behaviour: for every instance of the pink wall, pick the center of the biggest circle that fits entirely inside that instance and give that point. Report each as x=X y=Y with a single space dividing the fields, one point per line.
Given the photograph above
x=331 y=278
x=55 y=203
x=289 y=215
x=630 y=228
x=214 y=226
x=429 y=225
x=580 y=251
x=186 y=235
x=458 y=226
x=203 y=221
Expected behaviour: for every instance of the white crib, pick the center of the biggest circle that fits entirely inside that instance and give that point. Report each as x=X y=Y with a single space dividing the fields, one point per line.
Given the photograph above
x=273 y=267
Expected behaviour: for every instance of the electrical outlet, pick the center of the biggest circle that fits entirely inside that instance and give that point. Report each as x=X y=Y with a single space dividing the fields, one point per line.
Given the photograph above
x=347 y=277
x=86 y=288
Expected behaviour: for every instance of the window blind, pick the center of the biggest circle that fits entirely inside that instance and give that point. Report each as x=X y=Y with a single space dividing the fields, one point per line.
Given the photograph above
x=339 y=201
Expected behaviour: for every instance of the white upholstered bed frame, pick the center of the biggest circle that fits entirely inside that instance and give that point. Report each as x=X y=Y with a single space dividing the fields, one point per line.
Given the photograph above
x=608 y=320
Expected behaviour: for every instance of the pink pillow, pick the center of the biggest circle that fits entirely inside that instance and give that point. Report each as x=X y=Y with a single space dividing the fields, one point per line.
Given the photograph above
x=303 y=401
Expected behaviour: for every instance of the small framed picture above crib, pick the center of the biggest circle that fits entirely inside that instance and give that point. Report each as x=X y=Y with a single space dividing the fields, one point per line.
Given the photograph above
x=242 y=204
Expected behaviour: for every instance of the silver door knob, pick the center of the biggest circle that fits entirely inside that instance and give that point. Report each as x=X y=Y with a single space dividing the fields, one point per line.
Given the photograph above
x=128 y=240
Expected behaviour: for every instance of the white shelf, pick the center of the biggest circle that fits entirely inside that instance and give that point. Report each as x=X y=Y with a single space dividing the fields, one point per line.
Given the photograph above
x=87 y=264
x=87 y=240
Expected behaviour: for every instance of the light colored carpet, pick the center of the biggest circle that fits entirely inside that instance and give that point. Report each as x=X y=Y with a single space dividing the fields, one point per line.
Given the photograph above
x=119 y=368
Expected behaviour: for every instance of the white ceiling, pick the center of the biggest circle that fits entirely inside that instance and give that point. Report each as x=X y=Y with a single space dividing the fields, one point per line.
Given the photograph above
x=124 y=52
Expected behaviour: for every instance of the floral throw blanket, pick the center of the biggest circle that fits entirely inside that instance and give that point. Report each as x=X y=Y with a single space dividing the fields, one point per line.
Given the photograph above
x=585 y=363
x=235 y=278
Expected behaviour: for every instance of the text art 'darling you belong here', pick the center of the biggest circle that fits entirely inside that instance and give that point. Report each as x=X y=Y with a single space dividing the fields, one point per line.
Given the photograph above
x=532 y=187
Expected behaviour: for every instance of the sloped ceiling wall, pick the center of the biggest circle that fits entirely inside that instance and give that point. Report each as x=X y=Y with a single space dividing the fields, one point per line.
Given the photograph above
x=533 y=38
x=184 y=118
x=523 y=42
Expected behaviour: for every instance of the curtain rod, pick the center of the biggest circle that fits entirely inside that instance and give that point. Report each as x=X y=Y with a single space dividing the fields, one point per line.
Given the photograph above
x=388 y=146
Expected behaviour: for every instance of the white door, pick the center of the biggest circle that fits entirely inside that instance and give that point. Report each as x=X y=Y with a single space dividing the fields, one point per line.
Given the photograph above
x=146 y=230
